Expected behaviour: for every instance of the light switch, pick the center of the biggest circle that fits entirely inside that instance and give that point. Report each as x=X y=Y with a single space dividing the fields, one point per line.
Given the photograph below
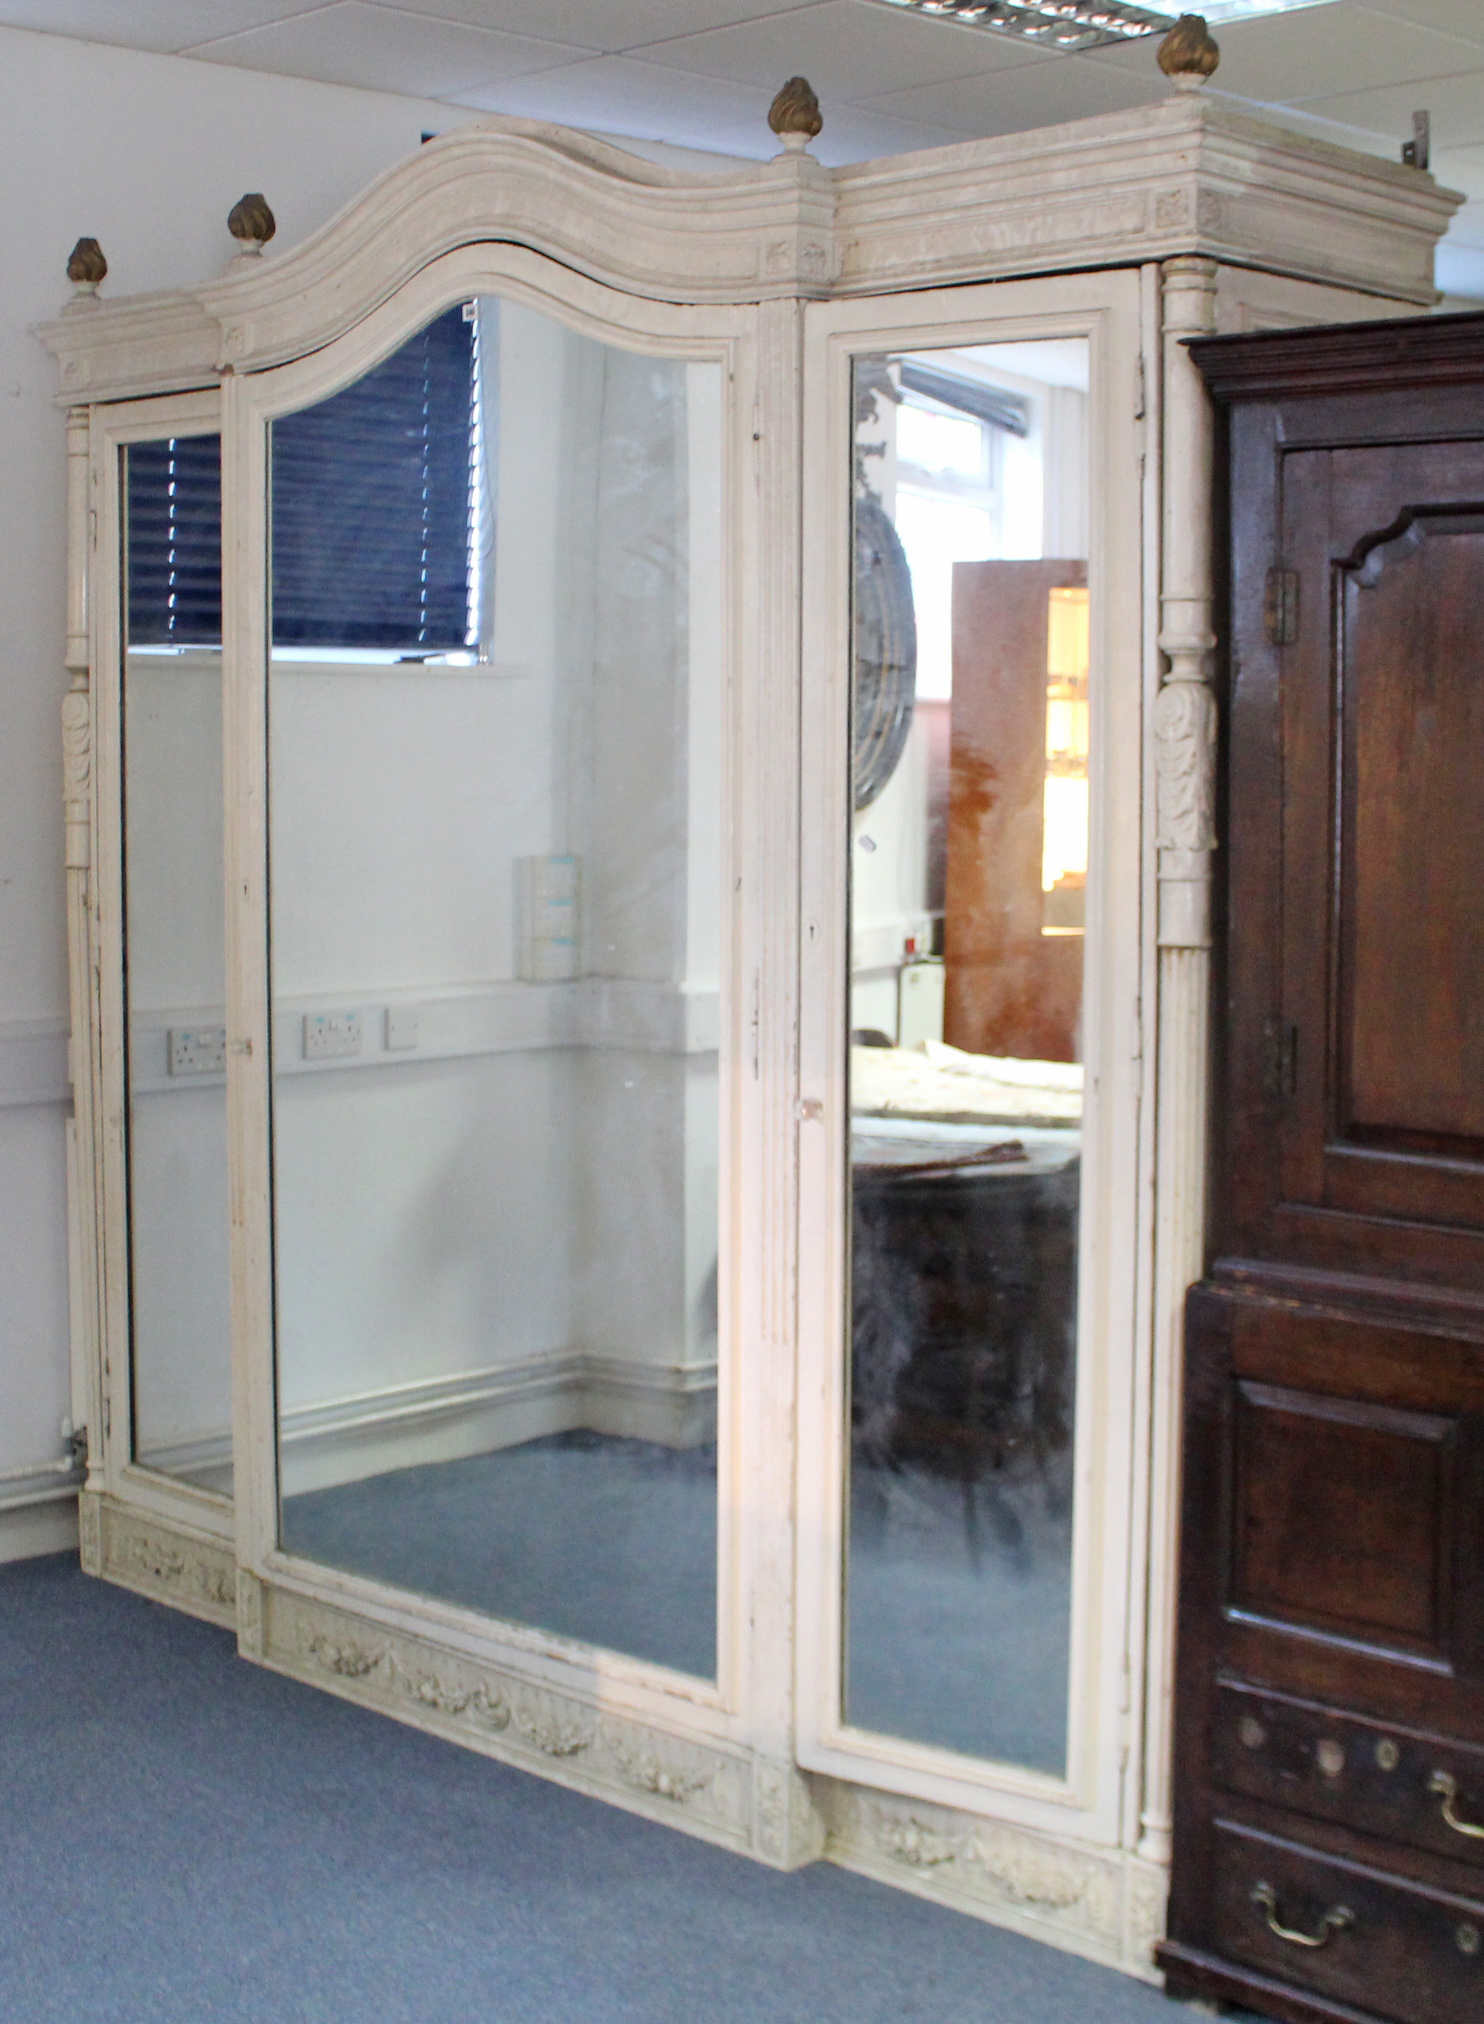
x=401 y=1028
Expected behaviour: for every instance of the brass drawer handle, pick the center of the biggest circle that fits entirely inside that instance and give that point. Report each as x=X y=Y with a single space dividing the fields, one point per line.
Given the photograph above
x=1266 y=1900
x=1446 y=1787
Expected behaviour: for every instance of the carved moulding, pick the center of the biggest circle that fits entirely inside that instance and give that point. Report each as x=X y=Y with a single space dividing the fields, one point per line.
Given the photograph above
x=157 y=1558
x=1101 y=1903
x=702 y=1786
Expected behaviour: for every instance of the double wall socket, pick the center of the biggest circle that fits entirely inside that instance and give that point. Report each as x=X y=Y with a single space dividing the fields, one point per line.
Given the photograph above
x=198 y=1050
x=330 y=1036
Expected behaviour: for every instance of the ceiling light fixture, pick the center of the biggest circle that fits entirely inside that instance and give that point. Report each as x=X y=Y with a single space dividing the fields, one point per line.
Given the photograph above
x=1084 y=24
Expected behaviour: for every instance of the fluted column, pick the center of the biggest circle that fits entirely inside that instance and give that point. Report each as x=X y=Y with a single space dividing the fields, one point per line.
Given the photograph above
x=1185 y=784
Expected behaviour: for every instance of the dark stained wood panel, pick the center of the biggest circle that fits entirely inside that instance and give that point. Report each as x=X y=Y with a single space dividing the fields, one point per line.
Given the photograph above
x=1342 y=1516
x=1008 y=988
x=1411 y=624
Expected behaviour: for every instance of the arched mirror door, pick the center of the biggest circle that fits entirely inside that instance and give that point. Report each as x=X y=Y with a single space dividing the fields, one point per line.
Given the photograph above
x=483 y=711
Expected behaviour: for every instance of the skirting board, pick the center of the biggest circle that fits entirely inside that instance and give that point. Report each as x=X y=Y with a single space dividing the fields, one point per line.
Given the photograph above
x=33 y=1529
x=471 y=1413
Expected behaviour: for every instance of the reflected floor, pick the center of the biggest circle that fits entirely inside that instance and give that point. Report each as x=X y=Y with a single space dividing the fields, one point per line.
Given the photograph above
x=609 y=1541
x=959 y=1614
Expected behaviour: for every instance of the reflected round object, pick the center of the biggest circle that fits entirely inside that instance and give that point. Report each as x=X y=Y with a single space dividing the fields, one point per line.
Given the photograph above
x=1252 y=1733
x=1387 y=1754
x=1468 y=1939
x=885 y=674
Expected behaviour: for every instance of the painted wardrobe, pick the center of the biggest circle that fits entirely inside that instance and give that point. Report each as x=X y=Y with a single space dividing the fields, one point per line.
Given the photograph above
x=639 y=769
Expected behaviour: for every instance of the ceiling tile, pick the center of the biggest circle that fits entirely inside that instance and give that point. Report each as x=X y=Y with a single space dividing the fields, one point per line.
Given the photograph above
x=1063 y=88
x=1463 y=18
x=1319 y=51
x=1460 y=169
x=608 y=25
x=161 y=25
x=1456 y=105
x=622 y=94
x=851 y=134
x=847 y=49
x=383 y=49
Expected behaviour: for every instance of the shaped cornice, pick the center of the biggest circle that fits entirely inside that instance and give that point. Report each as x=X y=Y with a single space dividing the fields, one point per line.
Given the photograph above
x=1182 y=176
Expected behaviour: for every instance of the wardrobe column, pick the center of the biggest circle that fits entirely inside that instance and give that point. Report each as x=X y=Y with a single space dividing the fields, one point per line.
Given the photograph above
x=1185 y=775
x=84 y=1220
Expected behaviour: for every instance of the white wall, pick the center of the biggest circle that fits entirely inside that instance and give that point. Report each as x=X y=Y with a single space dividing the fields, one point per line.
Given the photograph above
x=147 y=154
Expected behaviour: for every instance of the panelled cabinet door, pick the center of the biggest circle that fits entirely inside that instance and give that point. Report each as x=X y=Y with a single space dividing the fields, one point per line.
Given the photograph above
x=970 y=1234
x=1358 y=733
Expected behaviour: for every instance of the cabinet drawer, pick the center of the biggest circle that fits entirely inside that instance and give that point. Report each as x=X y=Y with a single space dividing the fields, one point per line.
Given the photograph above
x=1391 y=1782
x=1383 y=1944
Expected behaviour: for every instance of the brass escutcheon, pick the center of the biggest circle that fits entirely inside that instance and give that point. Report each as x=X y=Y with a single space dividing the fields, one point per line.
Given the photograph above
x=1265 y=1898
x=1330 y=1757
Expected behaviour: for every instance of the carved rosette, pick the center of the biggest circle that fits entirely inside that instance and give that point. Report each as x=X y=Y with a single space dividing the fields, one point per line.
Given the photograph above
x=1185 y=767
x=787 y=1830
x=1009 y=1875
x=249 y=1614
x=90 y=1531
x=197 y=1575
x=77 y=775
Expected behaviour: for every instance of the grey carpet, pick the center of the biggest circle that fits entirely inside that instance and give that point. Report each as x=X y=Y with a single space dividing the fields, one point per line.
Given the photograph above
x=609 y=1541
x=958 y=1613
x=185 y=1838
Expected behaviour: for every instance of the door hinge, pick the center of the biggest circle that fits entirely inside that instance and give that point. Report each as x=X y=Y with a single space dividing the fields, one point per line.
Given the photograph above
x=1280 y=607
x=1139 y=388
x=1280 y=1060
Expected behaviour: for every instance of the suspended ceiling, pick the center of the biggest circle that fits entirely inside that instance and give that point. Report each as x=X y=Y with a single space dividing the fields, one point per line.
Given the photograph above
x=701 y=73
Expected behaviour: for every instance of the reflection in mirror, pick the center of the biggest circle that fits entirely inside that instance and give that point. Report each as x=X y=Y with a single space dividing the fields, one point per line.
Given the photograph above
x=174 y=959
x=968 y=867
x=495 y=704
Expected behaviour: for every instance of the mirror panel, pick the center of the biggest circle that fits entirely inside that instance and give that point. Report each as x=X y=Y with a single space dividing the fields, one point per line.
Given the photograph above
x=495 y=841
x=175 y=958
x=969 y=866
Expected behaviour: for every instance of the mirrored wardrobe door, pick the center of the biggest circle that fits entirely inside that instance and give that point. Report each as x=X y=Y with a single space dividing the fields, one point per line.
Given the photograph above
x=170 y=922
x=494 y=850
x=969 y=864
x=970 y=1236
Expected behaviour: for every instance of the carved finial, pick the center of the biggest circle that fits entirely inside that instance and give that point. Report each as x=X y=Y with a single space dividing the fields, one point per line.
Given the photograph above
x=86 y=266
x=251 y=223
x=794 y=115
x=1189 y=53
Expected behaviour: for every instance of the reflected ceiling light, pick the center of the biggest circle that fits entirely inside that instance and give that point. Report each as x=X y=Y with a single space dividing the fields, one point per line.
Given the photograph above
x=1085 y=24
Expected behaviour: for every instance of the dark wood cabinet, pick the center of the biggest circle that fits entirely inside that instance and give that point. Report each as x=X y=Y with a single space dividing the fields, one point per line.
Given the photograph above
x=1329 y=1833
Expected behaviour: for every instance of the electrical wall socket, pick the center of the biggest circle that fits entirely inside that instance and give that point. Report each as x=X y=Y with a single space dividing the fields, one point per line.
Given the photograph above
x=198 y=1050
x=330 y=1036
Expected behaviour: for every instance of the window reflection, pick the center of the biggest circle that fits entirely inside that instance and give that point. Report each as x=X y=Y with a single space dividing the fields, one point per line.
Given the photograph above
x=968 y=867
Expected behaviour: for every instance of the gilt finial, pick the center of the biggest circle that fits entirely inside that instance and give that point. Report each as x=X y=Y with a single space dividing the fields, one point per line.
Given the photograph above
x=794 y=114
x=86 y=267
x=1189 y=53
x=251 y=223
